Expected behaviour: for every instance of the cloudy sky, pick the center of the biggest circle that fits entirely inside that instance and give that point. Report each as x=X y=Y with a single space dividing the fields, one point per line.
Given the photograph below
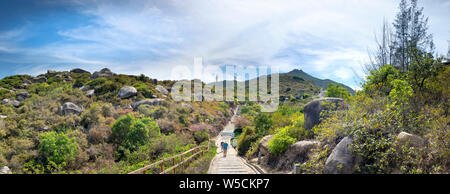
x=326 y=38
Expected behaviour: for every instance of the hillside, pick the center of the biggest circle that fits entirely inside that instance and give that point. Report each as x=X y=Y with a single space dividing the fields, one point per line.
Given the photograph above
x=322 y=83
x=78 y=122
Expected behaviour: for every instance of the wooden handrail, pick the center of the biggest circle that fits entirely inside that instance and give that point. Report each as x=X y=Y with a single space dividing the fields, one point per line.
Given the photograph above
x=174 y=166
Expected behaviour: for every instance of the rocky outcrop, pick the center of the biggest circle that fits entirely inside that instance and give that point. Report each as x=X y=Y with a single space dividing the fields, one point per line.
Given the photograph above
x=127 y=92
x=22 y=96
x=105 y=72
x=39 y=80
x=314 y=108
x=162 y=90
x=5 y=170
x=410 y=140
x=78 y=70
x=296 y=153
x=14 y=103
x=151 y=102
x=341 y=160
x=70 y=108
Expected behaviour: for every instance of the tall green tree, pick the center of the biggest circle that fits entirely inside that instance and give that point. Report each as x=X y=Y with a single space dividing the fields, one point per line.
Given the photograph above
x=411 y=28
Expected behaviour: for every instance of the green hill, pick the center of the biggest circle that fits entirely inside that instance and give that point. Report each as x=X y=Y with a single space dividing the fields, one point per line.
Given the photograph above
x=322 y=83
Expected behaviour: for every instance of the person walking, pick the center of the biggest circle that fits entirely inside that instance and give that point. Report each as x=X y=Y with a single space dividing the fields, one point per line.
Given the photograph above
x=225 y=148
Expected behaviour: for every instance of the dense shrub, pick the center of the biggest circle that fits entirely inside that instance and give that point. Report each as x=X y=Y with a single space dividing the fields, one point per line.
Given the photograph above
x=336 y=90
x=281 y=141
x=245 y=140
x=130 y=132
x=57 y=147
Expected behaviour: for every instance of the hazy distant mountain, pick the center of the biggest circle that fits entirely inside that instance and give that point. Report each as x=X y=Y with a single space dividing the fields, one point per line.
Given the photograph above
x=322 y=83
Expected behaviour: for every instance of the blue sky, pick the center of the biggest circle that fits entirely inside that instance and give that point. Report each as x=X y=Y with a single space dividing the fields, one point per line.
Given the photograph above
x=326 y=38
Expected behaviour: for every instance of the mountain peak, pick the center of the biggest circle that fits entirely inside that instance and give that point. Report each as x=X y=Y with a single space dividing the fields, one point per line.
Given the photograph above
x=296 y=71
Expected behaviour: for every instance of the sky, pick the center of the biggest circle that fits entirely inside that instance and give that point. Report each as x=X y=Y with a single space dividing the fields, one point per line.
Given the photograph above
x=325 y=38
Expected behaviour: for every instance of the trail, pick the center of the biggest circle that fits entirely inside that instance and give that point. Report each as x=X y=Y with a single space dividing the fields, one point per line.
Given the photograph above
x=232 y=164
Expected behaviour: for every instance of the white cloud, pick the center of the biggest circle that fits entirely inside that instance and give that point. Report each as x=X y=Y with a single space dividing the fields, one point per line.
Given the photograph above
x=328 y=37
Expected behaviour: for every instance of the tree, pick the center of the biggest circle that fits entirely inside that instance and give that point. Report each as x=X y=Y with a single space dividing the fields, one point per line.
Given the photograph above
x=379 y=80
x=422 y=67
x=410 y=32
x=335 y=90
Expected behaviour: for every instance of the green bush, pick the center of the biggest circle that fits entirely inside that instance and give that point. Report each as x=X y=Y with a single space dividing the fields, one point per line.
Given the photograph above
x=131 y=132
x=336 y=90
x=281 y=141
x=144 y=89
x=245 y=140
x=57 y=147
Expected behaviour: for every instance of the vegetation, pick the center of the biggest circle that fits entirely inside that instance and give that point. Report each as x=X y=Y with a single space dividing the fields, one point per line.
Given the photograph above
x=335 y=90
x=108 y=136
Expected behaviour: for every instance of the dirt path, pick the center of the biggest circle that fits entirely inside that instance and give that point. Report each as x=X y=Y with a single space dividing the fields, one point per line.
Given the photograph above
x=232 y=164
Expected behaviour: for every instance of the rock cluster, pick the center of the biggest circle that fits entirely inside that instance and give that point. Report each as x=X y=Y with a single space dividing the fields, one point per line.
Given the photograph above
x=14 y=103
x=105 y=72
x=22 y=96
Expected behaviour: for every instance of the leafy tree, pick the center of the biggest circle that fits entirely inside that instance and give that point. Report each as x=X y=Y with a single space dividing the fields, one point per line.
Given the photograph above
x=335 y=90
x=422 y=67
x=379 y=80
x=57 y=147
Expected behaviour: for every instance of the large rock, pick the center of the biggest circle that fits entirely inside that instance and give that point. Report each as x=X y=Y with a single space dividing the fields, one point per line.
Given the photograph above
x=151 y=102
x=70 y=108
x=78 y=70
x=263 y=145
x=314 y=108
x=105 y=72
x=341 y=160
x=11 y=102
x=22 y=96
x=5 y=170
x=162 y=90
x=296 y=153
x=39 y=80
x=127 y=92
x=410 y=140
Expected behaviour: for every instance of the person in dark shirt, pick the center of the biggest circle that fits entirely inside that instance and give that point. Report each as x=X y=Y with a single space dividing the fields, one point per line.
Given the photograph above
x=225 y=148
